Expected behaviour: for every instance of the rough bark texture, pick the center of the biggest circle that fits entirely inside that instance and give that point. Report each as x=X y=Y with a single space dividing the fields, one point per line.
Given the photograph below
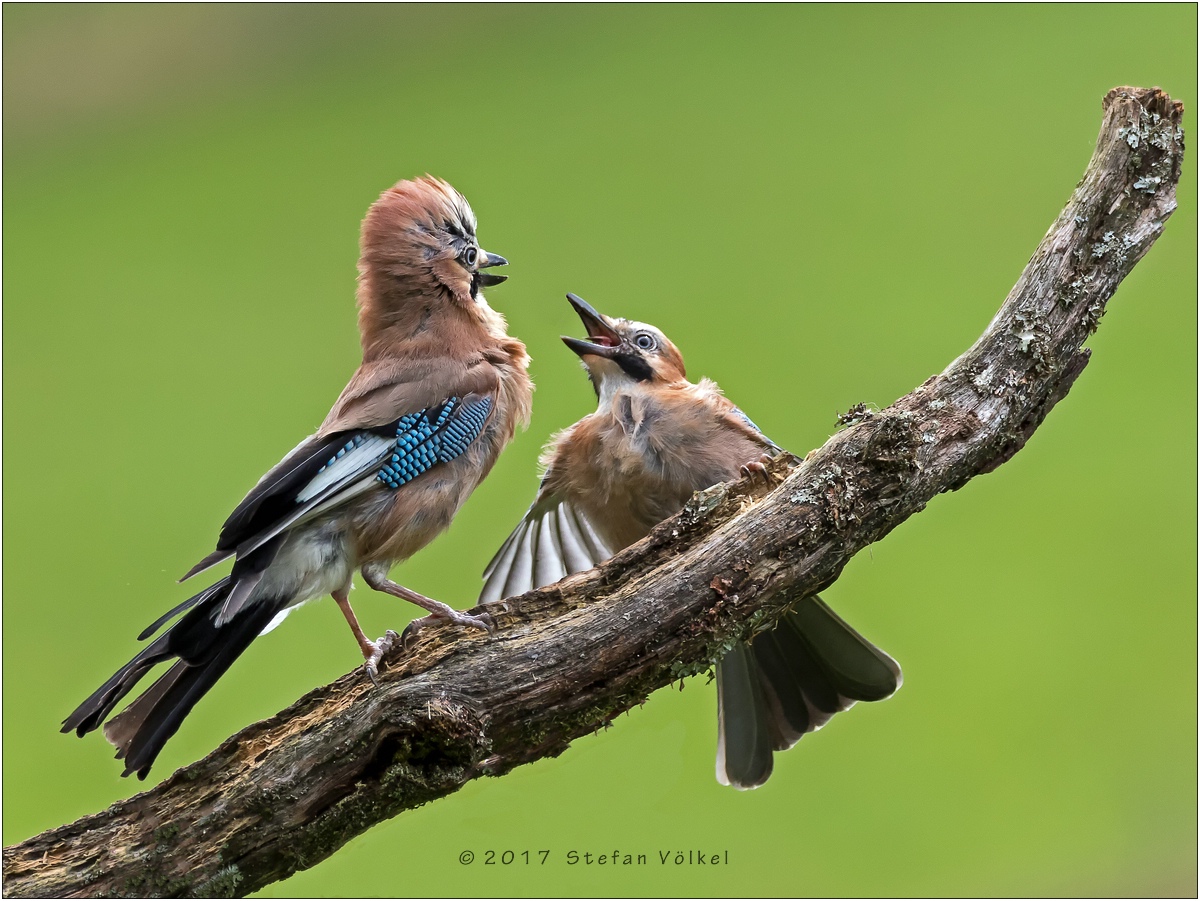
x=285 y=793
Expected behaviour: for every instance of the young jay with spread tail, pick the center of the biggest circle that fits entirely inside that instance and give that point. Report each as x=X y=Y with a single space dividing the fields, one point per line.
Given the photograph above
x=439 y=393
x=654 y=439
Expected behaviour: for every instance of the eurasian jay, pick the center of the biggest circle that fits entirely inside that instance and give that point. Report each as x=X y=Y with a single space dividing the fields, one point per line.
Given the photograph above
x=654 y=439
x=440 y=392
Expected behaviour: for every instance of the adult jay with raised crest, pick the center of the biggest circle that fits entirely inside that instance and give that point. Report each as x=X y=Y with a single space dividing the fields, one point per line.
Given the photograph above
x=440 y=392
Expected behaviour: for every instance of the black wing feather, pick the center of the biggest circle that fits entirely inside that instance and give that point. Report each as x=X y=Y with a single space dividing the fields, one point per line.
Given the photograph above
x=270 y=499
x=275 y=494
x=294 y=489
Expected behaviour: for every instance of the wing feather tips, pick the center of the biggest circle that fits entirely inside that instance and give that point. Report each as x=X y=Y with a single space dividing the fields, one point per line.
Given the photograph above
x=277 y=487
x=141 y=730
x=91 y=713
x=503 y=558
x=186 y=605
x=575 y=556
x=210 y=561
x=595 y=548
x=552 y=542
x=520 y=573
x=548 y=563
x=289 y=475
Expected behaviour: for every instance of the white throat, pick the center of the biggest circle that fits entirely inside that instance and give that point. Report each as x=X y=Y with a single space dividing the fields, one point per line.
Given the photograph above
x=610 y=381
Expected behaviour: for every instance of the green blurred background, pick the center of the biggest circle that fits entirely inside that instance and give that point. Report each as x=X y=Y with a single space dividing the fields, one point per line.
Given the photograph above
x=820 y=204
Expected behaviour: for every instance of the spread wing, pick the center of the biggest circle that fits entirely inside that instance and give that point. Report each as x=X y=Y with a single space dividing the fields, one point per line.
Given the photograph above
x=326 y=471
x=553 y=541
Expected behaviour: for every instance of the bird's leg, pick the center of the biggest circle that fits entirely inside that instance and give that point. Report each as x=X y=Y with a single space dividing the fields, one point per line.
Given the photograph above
x=437 y=610
x=372 y=651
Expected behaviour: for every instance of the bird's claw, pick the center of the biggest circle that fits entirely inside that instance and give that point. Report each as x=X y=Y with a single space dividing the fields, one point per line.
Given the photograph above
x=480 y=621
x=758 y=466
x=379 y=648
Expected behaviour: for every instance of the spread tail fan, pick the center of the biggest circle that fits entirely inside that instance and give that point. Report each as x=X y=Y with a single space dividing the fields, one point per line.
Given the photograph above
x=790 y=681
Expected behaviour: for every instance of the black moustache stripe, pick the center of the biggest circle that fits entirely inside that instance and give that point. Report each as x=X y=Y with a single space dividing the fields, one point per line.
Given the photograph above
x=635 y=365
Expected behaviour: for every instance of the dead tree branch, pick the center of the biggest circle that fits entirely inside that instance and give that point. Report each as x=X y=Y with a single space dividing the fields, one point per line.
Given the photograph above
x=284 y=794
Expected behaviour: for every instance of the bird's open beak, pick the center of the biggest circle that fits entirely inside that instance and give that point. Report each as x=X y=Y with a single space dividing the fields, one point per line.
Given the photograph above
x=602 y=341
x=487 y=261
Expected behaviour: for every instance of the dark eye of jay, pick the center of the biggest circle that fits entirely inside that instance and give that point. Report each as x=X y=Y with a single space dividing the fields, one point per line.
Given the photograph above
x=644 y=340
x=470 y=257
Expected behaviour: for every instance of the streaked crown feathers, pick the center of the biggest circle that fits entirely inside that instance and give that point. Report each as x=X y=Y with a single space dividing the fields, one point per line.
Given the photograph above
x=415 y=220
x=420 y=258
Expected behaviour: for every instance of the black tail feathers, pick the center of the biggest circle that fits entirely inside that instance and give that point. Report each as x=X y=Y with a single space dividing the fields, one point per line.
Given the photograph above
x=790 y=681
x=204 y=651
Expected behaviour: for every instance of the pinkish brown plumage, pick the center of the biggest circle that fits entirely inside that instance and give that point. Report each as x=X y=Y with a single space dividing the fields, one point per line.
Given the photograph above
x=639 y=457
x=440 y=392
x=654 y=439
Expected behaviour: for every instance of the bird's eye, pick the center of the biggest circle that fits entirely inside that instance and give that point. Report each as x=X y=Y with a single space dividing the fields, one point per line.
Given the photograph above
x=644 y=341
x=470 y=256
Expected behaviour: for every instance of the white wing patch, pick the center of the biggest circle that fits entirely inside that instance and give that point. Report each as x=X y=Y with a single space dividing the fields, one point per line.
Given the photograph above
x=366 y=456
x=553 y=541
x=343 y=478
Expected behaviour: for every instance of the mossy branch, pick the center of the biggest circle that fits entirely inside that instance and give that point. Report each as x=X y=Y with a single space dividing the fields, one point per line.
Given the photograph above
x=284 y=794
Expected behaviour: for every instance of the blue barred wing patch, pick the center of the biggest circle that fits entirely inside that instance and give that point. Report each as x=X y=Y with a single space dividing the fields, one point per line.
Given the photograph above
x=393 y=454
x=434 y=435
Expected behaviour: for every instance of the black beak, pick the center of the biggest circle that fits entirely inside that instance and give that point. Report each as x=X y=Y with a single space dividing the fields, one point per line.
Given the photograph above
x=603 y=341
x=487 y=261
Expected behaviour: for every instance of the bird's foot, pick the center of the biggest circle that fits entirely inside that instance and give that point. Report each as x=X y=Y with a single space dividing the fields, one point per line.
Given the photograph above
x=758 y=466
x=378 y=649
x=482 y=621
